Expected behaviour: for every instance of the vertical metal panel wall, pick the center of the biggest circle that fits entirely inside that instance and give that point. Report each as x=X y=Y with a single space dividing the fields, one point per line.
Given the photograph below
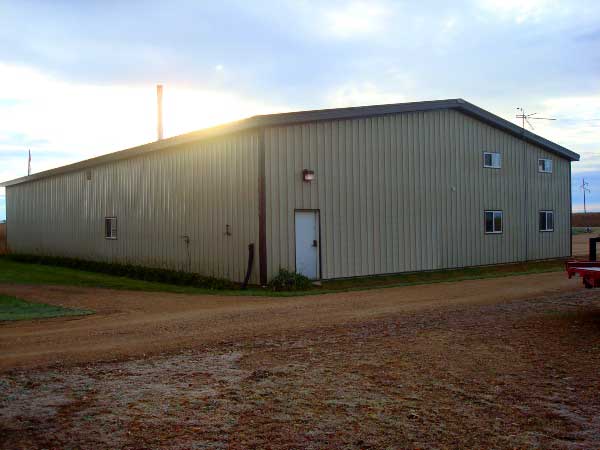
x=192 y=190
x=407 y=192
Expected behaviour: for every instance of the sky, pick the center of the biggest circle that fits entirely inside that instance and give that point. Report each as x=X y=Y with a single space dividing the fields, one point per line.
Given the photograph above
x=77 y=79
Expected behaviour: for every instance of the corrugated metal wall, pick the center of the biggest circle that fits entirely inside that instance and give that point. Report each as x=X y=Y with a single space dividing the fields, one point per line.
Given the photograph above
x=396 y=193
x=193 y=190
x=407 y=192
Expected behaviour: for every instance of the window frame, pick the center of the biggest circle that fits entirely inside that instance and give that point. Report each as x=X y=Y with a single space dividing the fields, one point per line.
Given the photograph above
x=499 y=166
x=546 y=212
x=494 y=212
x=551 y=165
x=110 y=237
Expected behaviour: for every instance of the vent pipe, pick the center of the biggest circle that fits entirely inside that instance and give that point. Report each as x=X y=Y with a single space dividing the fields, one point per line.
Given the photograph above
x=159 y=124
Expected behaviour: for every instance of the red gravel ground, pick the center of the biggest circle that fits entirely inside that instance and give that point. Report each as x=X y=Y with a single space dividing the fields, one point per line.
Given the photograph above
x=502 y=363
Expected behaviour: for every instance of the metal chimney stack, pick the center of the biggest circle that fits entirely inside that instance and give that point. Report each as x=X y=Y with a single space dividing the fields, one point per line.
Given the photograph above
x=159 y=124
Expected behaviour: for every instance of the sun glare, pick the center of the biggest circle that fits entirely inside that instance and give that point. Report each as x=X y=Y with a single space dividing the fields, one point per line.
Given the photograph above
x=88 y=120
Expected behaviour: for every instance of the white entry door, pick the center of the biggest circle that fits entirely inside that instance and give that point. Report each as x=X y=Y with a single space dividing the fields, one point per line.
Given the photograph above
x=307 y=243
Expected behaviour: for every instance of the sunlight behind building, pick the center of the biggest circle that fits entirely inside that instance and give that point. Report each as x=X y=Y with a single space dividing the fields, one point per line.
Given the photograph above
x=80 y=120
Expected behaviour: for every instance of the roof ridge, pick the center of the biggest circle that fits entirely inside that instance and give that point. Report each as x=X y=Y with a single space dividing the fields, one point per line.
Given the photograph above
x=295 y=117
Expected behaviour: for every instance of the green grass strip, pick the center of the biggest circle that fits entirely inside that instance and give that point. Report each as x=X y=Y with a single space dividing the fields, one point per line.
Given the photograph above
x=12 y=308
x=13 y=272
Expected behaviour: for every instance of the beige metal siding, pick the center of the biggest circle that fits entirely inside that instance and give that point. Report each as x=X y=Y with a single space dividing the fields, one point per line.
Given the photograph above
x=396 y=193
x=549 y=191
x=192 y=190
x=407 y=192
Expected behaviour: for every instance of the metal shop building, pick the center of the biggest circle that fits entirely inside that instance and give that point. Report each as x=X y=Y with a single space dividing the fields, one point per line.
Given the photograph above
x=329 y=193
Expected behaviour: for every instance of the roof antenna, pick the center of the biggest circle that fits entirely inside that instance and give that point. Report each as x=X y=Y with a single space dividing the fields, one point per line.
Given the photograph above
x=525 y=118
x=159 y=124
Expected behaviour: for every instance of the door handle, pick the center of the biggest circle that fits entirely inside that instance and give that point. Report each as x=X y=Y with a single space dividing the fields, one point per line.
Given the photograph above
x=315 y=244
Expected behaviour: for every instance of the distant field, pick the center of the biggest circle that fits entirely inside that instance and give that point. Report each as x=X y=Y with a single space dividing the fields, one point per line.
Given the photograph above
x=591 y=219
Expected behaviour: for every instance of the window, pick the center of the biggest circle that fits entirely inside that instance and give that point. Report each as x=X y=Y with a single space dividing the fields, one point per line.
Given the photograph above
x=545 y=165
x=493 y=222
x=492 y=160
x=546 y=220
x=110 y=227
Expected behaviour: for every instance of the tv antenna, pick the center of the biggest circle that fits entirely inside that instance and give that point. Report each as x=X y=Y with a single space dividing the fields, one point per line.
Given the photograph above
x=525 y=118
x=584 y=188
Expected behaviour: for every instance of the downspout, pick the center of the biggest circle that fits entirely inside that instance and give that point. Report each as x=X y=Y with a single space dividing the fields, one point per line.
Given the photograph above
x=250 y=266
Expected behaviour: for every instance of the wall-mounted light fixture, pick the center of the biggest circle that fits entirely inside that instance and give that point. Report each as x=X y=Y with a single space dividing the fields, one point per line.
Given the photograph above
x=308 y=175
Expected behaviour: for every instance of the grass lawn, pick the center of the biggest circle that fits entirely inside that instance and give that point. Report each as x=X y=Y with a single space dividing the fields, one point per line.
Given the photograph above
x=27 y=273
x=12 y=308
x=582 y=230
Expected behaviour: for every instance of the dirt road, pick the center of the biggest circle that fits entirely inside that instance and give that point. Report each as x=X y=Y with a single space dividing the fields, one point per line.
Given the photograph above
x=498 y=363
x=129 y=324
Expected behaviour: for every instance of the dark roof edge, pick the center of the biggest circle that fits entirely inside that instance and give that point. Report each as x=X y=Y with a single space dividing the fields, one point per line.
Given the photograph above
x=303 y=117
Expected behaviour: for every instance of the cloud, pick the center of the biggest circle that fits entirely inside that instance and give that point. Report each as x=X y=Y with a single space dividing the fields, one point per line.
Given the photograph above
x=82 y=75
x=521 y=11
x=364 y=93
x=294 y=50
x=355 y=20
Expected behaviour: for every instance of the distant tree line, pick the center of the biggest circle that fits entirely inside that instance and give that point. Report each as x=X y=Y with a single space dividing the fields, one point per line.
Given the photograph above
x=585 y=220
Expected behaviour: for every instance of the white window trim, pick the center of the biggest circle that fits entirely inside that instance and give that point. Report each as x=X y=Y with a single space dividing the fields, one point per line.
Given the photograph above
x=546 y=211
x=494 y=211
x=111 y=237
x=492 y=166
x=551 y=165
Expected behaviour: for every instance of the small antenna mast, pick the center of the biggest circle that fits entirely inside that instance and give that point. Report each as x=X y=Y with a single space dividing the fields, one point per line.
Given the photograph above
x=525 y=118
x=159 y=111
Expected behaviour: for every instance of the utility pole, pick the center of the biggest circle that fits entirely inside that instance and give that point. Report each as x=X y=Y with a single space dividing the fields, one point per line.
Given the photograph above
x=584 y=188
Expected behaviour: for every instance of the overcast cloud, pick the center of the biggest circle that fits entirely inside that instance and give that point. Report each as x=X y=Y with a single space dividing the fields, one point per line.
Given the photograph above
x=77 y=78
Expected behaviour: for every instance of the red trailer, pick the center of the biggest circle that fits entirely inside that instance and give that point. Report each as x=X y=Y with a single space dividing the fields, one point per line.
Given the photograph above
x=588 y=270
